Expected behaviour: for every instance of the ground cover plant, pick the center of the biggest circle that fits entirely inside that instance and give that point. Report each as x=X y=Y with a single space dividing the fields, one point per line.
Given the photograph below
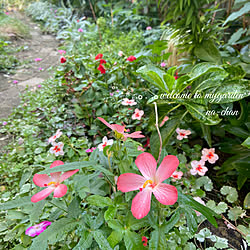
x=122 y=149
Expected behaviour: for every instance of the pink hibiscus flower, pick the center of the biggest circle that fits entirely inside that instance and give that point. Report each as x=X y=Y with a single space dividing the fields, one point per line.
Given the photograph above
x=37 y=229
x=182 y=133
x=127 y=102
x=57 y=148
x=150 y=182
x=138 y=114
x=120 y=130
x=198 y=167
x=166 y=118
x=52 y=182
x=55 y=136
x=209 y=155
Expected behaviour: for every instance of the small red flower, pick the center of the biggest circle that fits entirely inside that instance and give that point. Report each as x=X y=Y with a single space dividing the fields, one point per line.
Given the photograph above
x=63 y=59
x=99 y=56
x=101 y=69
x=102 y=61
x=131 y=58
x=145 y=240
x=78 y=20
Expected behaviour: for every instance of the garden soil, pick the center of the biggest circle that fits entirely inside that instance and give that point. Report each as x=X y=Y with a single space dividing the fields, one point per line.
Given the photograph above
x=29 y=74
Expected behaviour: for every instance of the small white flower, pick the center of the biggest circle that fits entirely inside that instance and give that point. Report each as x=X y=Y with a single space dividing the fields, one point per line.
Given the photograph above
x=57 y=148
x=120 y=53
x=138 y=114
x=54 y=137
x=182 y=133
x=198 y=167
x=105 y=142
x=127 y=102
x=209 y=155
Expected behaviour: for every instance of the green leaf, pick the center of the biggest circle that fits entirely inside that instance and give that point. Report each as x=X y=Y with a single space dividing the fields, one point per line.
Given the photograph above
x=54 y=233
x=235 y=213
x=204 y=181
x=191 y=219
x=246 y=143
x=74 y=209
x=132 y=241
x=85 y=241
x=69 y=166
x=99 y=201
x=36 y=211
x=206 y=134
x=185 y=200
x=207 y=51
x=101 y=240
x=247 y=201
x=199 y=112
x=169 y=224
x=245 y=9
x=114 y=238
x=110 y=213
x=24 y=201
x=219 y=209
x=238 y=131
x=115 y=225
x=157 y=239
x=231 y=193
x=166 y=133
x=236 y=36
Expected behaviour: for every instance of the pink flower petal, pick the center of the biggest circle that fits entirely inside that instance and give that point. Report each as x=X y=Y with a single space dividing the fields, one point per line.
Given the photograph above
x=167 y=167
x=105 y=122
x=55 y=176
x=129 y=182
x=60 y=191
x=141 y=204
x=66 y=175
x=41 y=179
x=165 y=194
x=136 y=134
x=118 y=128
x=147 y=165
x=56 y=163
x=42 y=194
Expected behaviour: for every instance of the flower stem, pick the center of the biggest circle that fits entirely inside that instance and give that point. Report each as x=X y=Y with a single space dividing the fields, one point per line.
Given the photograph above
x=158 y=131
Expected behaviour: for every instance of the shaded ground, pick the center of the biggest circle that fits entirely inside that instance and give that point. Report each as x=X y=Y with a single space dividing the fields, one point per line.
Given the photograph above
x=38 y=46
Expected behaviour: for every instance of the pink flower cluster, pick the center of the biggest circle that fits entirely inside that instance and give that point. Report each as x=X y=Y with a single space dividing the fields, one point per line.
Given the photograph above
x=198 y=167
x=57 y=148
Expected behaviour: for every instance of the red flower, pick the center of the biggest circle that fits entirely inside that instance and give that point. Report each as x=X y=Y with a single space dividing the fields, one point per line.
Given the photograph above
x=131 y=58
x=102 y=61
x=63 y=59
x=145 y=240
x=176 y=76
x=78 y=20
x=101 y=69
x=99 y=56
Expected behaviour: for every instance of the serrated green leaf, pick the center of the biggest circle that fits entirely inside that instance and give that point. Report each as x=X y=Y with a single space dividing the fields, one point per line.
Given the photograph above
x=85 y=241
x=157 y=239
x=24 y=201
x=132 y=240
x=231 y=193
x=99 y=201
x=170 y=223
x=101 y=240
x=74 y=209
x=204 y=181
x=235 y=213
x=219 y=209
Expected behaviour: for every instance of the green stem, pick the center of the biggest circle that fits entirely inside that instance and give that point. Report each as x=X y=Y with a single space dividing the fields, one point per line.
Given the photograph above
x=158 y=131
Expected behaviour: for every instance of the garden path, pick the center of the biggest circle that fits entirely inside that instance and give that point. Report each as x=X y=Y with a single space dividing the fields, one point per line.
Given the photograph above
x=39 y=45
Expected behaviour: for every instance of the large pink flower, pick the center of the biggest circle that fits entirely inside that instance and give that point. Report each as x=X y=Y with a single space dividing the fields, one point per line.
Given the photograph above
x=52 y=182
x=120 y=130
x=150 y=182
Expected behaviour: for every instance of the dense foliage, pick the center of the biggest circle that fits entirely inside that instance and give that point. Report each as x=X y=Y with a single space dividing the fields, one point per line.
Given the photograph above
x=193 y=115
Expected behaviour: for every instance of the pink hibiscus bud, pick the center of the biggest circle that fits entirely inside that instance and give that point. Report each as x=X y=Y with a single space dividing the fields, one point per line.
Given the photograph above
x=15 y=81
x=120 y=53
x=137 y=114
x=38 y=59
x=80 y=30
x=61 y=51
x=37 y=229
x=209 y=155
x=177 y=175
x=127 y=102
x=198 y=199
x=140 y=148
x=163 y=64
x=57 y=148
x=166 y=118
x=52 y=183
x=55 y=136
x=149 y=28
x=144 y=240
x=150 y=182
x=182 y=133
x=120 y=131
x=198 y=167
x=131 y=58
x=105 y=142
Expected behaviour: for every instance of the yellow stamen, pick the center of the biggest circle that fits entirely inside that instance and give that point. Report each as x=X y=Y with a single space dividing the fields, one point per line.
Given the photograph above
x=50 y=183
x=146 y=183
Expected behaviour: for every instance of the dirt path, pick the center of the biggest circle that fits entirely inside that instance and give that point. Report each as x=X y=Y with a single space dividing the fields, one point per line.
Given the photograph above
x=29 y=74
x=38 y=46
